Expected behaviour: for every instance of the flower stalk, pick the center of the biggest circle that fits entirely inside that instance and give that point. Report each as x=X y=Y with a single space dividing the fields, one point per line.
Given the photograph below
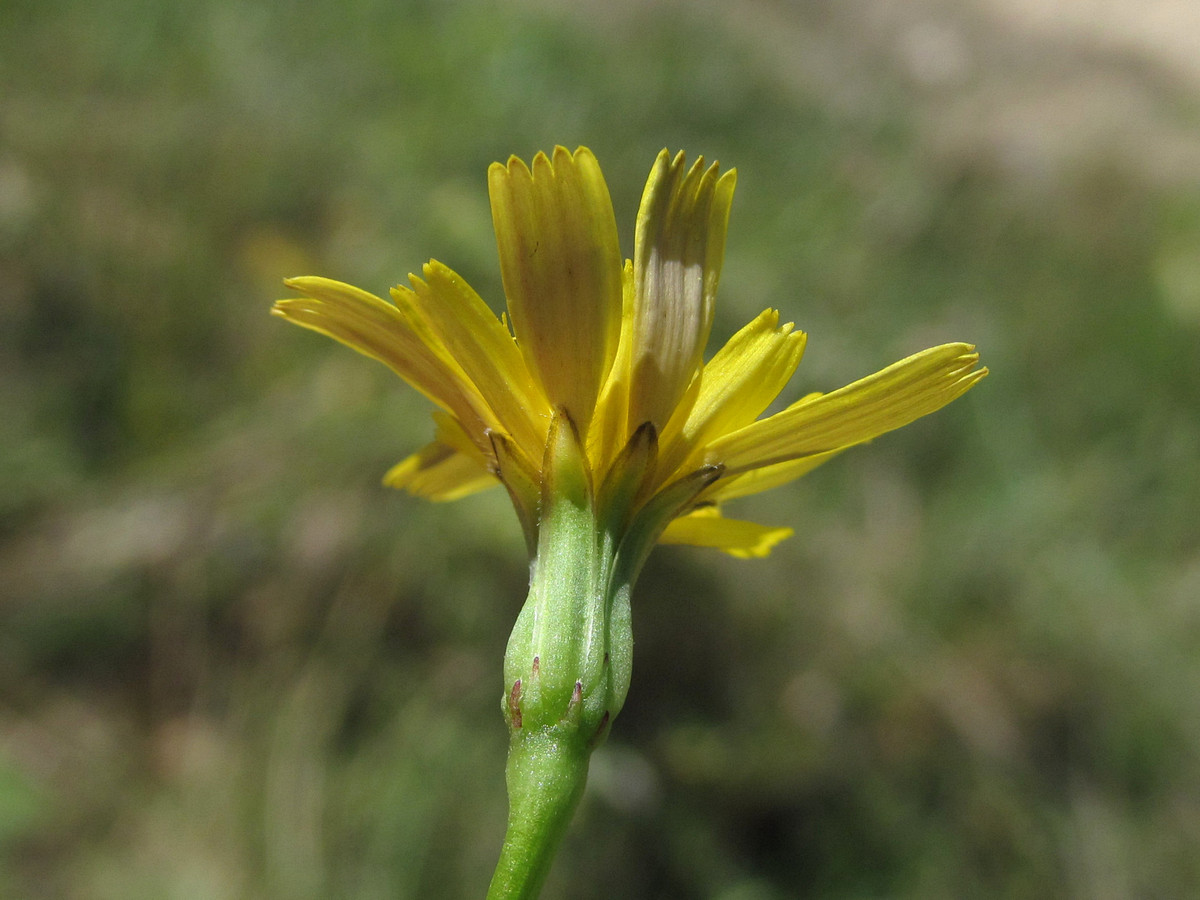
x=566 y=667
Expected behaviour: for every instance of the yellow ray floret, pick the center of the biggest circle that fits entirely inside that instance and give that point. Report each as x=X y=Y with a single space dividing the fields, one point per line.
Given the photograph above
x=869 y=407
x=561 y=266
x=707 y=528
x=678 y=250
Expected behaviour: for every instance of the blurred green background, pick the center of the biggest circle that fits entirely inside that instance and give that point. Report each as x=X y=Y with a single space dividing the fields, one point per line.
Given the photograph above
x=232 y=665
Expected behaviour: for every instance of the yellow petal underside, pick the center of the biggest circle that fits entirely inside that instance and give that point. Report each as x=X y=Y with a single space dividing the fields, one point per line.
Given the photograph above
x=707 y=528
x=561 y=266
x=678 y=251
x=865 y=409
x=484 y=349
x=449 y=467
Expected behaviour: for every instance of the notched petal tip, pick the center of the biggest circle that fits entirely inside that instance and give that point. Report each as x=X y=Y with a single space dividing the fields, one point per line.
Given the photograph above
x=299 y=282
x=543 y=164
x=319 y=287
x=514 y=165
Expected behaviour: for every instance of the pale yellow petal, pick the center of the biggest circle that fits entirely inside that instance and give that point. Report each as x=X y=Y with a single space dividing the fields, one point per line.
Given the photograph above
x=678 y=252
x=561 y=265
x=441 y=473
x=707 y=528
x=879 y=403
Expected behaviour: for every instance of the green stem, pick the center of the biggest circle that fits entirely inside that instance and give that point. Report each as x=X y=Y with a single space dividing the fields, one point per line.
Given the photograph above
x=568 y=661
x=546 y=773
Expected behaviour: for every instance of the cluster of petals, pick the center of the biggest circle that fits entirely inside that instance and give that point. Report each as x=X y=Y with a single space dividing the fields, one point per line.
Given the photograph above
x=616 y=349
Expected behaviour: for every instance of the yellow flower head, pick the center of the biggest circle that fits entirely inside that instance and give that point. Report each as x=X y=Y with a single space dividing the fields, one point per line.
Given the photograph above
x=608 y=358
